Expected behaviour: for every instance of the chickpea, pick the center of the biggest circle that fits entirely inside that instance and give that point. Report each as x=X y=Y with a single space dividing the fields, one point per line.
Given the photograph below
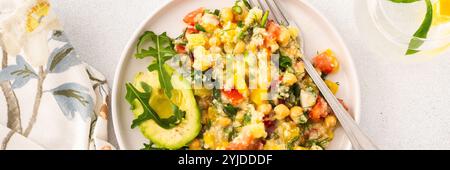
x=289 y=79
x=281 y=111
x=228 y=47
x=296 y=113
x=265 y=108
x=330 y=121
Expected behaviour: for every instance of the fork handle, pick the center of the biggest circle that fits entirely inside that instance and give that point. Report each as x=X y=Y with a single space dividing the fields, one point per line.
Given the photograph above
x=358 y=139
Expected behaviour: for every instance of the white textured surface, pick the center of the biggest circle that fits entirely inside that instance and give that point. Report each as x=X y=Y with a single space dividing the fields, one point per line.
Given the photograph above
x=405 y=105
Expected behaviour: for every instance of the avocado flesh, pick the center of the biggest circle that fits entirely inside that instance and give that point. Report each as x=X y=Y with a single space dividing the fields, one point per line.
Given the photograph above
x=183 y=97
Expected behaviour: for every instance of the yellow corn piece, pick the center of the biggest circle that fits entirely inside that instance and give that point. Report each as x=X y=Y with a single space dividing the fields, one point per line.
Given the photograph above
x=333 y=86
x=209 y=138
x=196 y=40
x=259 y=96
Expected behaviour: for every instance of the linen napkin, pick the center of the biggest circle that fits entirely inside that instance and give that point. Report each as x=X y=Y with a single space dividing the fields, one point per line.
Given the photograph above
x=49 y=99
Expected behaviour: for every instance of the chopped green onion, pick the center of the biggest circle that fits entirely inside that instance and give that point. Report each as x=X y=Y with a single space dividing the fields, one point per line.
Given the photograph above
x=237 y=9
x=264 y=19
x=199 y=27
x=247 y=4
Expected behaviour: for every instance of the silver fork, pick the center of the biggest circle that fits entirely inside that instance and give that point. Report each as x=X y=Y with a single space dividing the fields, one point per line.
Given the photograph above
x=358 y=139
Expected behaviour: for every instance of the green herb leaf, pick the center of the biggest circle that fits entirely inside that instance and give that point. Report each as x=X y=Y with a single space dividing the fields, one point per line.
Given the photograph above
x=199 y=27
x=422 y=32
x=285 y=62
x=291 y=143
x=143 y=97
x=217 y=12
x=217 y=94
x=230 y=110
x=247 y=119
x=162 y=50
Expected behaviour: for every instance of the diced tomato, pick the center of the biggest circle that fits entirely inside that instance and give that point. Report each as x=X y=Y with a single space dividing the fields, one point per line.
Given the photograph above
x=234 y=96
x=326 y=62
x=320 y=110
x=193 y=16
x=191 y=30
x=181 y=49
x=273 y=29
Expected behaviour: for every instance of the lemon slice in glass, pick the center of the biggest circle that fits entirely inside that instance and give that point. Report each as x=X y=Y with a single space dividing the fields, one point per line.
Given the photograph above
x=441 y=11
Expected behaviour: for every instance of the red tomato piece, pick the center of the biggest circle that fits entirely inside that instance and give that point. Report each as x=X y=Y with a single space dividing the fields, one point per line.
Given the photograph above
x=192 y=16
x=273 y=29
x=181 y=49
x=319 y=110
x=191 y=30
x=234 y=96
x=326 y=62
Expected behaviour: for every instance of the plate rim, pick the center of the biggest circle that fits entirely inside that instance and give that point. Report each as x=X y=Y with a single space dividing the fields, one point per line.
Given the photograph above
x=119 y=69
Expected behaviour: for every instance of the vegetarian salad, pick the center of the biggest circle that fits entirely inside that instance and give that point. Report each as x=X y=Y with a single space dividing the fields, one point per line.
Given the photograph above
x=282 y=110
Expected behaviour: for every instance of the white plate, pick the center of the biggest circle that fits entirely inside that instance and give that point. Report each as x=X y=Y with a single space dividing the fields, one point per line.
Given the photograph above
x=319 y=35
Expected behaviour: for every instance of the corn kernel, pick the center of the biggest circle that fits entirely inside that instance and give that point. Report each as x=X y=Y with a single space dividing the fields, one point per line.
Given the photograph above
x=300 y=148
x=330 y=121
x=252 y=47
x=265 y=108
x=284 y=37
x=195 y=40
x=226 y=15
x=239 y=48
x=211 y=113
x=289 y=79
x=209 y=138
x=281 y=111
x=293 y=31
x=224 y=122
x=259 y=96
x=228 y=47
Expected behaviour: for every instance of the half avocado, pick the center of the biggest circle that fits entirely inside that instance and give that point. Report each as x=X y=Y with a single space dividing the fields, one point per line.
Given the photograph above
x=183 y=97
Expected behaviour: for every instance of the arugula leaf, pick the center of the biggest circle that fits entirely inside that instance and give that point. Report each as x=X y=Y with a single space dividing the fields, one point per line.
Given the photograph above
x=285 y=62
x=162 y=50
x=422 y=32
x=143 y=97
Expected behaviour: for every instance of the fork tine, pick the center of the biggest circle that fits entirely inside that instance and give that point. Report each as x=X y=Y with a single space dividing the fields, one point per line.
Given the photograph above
x=277 y=11
x=279 y=18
